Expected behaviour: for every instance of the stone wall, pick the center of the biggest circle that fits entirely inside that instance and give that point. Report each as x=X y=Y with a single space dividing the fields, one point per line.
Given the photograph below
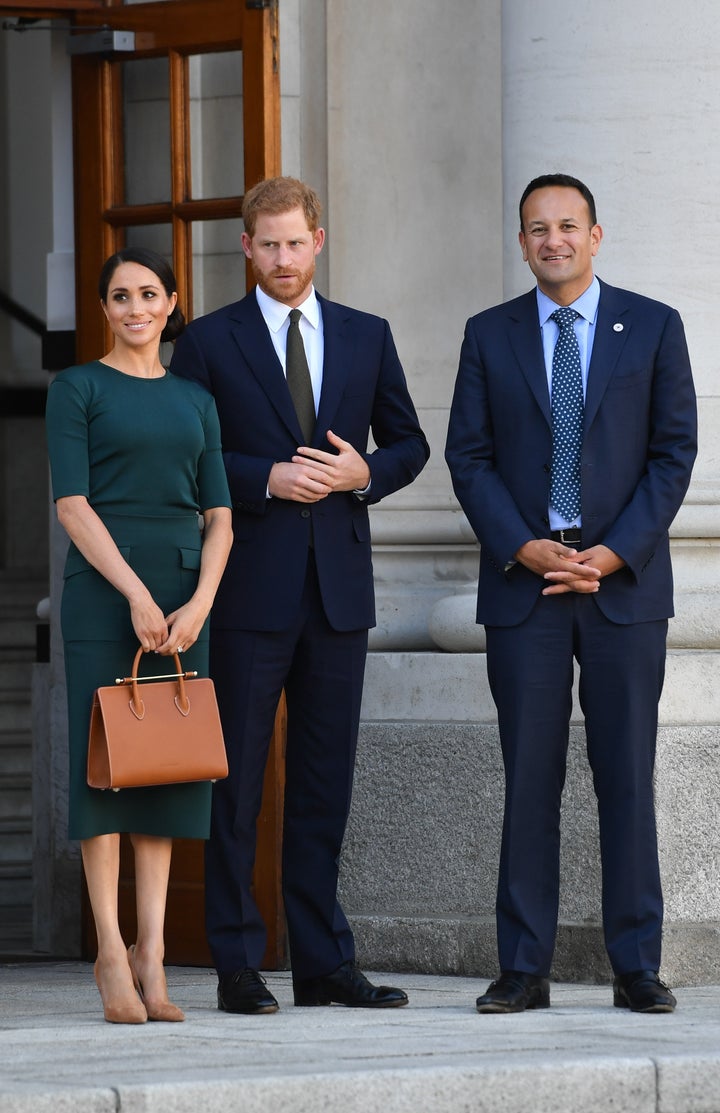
x=419 y=866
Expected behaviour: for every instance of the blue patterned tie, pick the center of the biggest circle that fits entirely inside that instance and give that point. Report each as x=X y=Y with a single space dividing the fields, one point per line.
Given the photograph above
x=567 y=418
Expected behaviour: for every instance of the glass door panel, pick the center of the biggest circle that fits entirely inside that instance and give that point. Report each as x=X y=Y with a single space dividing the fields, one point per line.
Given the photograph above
x=216 y=124
x=146 y=130
x=158 y=237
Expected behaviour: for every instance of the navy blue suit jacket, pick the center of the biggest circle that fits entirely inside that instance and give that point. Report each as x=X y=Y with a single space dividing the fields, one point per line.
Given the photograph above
x=231 y=354
x=639 y=445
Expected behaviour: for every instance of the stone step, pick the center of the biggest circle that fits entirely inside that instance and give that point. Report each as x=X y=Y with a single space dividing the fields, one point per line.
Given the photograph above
x=16 y=883
x=19 y=602
x=16 y=931
x=16 y=848
x=16 y=587
x=17 y=634
x=13 y=654
x=15 y=753
x=430 y=1057
x=15 y=844
x=19 y=598
x=15 y=802
x=15 y=713
x=16 y=675
x=18 y=605
x=16 y=889
x=16 y=693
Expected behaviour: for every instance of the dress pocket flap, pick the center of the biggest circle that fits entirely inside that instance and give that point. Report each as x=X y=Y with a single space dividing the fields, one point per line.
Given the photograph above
x=75 y=562
x=190 y=558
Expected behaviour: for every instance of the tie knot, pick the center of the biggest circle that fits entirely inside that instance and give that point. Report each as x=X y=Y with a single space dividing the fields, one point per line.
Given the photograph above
x=565 y=316
x=294 y=316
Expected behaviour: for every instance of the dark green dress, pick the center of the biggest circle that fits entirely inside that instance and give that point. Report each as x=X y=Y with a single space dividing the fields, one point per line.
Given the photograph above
x=146 y=454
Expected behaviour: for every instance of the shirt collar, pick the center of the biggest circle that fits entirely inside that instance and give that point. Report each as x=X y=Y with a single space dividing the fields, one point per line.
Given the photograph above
x=586 y=305
x=276 y=312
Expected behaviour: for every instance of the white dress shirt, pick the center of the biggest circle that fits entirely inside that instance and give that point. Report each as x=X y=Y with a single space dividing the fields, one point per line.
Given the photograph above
x=277 y=318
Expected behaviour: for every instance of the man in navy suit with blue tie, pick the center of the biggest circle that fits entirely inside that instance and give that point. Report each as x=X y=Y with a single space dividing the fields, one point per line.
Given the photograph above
x=300 y=384
x=571 y=441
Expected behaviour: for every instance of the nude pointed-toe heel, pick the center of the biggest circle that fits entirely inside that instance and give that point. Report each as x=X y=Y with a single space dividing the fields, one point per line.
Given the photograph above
x=156 y=1010
x=128 y=1010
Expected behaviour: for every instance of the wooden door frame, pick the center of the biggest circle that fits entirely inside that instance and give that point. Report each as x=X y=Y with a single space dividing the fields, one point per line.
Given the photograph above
x=49 y=9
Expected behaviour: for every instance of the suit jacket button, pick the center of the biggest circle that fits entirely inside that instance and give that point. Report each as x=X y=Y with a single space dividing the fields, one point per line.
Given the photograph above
x=304 y=513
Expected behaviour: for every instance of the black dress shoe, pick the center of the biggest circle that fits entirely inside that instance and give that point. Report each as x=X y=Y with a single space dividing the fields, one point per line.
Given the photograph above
x=245 y=992
x=347 y=986
x=514 y=992
x=641 y=991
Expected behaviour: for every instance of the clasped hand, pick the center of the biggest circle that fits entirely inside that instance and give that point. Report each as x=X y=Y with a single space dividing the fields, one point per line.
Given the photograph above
x=163 y=634
x=312 y=474
x=566 y=568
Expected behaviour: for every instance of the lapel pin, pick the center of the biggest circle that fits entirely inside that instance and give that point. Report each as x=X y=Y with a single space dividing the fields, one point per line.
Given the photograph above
x=617 y=327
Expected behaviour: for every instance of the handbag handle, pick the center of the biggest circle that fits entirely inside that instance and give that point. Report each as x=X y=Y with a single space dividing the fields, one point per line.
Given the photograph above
x=136 y=704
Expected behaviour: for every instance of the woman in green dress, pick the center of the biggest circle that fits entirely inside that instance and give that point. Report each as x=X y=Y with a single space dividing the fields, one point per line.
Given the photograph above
x=135 y=460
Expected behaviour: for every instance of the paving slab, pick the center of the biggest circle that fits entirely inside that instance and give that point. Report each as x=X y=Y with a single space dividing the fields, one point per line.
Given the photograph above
x=57 y=1055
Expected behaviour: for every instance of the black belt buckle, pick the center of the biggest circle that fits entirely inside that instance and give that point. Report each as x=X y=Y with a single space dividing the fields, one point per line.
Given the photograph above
x=570 y=536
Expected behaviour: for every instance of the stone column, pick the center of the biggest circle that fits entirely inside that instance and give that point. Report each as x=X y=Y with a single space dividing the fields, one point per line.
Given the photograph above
x=414 y=171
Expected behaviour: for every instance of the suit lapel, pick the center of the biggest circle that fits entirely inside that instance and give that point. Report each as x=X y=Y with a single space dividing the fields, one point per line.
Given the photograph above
x=526 y=342
x=611 y=333
x=251 y=335
x=336 y=358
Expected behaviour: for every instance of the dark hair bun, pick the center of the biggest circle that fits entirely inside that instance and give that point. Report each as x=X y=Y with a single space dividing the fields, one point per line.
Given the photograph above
x=175 y=325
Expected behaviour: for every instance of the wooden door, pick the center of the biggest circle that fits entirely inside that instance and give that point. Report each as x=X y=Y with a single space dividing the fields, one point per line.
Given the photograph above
x=160 y=161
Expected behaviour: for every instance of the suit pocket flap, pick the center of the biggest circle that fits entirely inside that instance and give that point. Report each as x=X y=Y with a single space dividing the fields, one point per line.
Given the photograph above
x=361 y=526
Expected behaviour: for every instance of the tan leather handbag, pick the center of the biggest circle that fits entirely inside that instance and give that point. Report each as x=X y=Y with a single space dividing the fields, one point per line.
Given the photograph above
x=146 y=733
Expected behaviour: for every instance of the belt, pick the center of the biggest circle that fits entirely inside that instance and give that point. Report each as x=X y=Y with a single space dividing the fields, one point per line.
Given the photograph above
x=570 y=536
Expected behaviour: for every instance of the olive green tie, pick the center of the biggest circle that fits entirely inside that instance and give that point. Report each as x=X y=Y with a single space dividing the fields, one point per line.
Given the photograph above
x=298 y=377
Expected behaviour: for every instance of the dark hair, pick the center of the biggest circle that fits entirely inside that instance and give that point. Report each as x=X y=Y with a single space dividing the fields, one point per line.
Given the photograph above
x=559 y=180
x=144 y=257
x=280 y=195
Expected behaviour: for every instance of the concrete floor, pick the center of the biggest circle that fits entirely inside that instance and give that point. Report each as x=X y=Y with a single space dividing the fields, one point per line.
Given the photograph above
x=57 y=1055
